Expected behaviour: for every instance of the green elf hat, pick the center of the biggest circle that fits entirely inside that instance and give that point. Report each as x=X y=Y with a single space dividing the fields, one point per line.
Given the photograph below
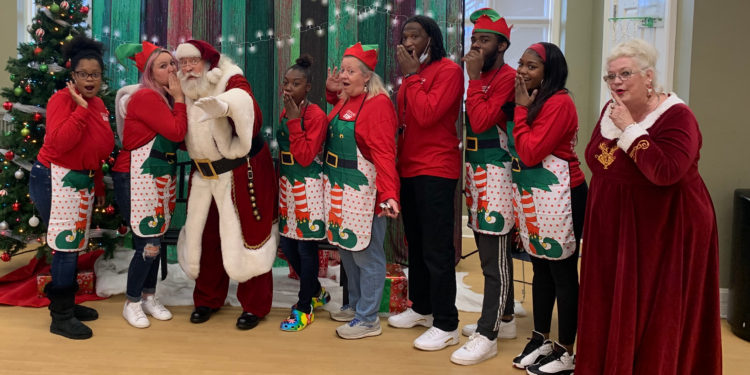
x=136 y=52
x=487 y=20
x=367 y=53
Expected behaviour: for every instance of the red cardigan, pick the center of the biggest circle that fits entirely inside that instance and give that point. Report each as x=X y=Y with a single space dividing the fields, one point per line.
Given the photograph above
x=375 y=133
x=306 y=144
x=148 y=115
x=428 y=105
x=77 y=138
x=553 y=132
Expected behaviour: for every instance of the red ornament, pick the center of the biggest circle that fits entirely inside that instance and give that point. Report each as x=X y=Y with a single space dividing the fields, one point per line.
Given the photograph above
x=85 y=10
x=37 y=50
x=110 y=210
x=37 y=117
x=16 y=206
x=111 y=161
x=9 y=155
x=28 y=88
x=7 y=106
x=5 y=257
x=122 y=230
x=67 y=64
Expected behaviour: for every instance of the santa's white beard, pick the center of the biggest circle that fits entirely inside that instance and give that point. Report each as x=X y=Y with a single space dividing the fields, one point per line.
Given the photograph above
x=196 y=88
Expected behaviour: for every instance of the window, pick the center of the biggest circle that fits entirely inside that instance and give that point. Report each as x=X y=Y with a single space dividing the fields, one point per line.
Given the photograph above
x=533 y=21
x=26 y=11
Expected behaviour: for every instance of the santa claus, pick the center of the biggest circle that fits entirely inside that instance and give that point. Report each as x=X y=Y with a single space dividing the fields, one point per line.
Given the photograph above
x=231 y=230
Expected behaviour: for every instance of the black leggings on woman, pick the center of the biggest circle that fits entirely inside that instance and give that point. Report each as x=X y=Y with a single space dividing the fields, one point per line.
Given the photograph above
x=558 y=279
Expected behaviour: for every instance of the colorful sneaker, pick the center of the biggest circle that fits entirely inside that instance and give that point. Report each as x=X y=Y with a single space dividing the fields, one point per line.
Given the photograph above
x=534 y=351
x=559 y=362
x=297 y=321
x=321 y=299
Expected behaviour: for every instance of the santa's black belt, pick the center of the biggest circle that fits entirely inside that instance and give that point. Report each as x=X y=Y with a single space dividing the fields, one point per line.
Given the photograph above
x=474 y=144
x=212 y=169
x=334 y=161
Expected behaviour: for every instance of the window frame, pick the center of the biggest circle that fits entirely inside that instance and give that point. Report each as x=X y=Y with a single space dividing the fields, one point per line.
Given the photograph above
x=553 y=23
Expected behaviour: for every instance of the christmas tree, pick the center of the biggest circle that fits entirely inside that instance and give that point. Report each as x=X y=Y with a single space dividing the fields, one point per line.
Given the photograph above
x=36 y=76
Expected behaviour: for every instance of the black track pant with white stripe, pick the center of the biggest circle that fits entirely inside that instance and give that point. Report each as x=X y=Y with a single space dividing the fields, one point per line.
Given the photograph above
x=497 y=268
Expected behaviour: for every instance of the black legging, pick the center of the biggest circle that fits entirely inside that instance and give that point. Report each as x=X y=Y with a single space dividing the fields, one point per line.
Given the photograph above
x=558 y=279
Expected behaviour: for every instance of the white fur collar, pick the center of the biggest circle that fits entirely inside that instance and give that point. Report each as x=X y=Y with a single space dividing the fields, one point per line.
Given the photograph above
x=610 y=131
x=228 y=70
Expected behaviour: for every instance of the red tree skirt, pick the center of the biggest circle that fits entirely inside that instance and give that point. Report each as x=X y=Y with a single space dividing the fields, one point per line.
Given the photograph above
x=18 y=288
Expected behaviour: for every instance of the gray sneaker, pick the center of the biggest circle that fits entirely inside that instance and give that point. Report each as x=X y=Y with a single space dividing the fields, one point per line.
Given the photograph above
x=346 y=314
x=357 y=329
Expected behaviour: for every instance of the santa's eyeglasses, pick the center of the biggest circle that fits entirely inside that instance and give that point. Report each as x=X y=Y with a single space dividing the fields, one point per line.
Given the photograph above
x=189 y=62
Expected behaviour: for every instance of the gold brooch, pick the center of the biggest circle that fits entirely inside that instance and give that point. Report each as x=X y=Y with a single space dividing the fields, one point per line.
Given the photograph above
x=607 y=156
x=642 y=145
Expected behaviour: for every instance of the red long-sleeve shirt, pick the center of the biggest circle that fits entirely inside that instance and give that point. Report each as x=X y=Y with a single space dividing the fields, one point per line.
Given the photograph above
x=553 y=132
x=77 y=138
x=375 y=134
x=483 y=108
x=428 y=105
x=305 y=144
x=148 y=115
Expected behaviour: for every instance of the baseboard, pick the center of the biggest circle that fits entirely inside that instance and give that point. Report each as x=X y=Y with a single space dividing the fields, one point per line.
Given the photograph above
x=723 y=302
x=466 y=232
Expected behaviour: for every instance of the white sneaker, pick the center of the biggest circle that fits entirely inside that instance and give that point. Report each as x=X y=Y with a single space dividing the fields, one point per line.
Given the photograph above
x=535 y=350
x=478 y=349
x=506 y=330
x=409 y=319
x=436 y=339
x=133 y=313
x=559 y=362
x=152 y=306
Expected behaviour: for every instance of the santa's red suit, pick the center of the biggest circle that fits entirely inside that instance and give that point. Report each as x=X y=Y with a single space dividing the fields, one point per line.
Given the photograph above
x=231 y=230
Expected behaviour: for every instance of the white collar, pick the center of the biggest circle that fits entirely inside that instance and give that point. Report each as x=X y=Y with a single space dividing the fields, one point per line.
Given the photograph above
x=610 y=131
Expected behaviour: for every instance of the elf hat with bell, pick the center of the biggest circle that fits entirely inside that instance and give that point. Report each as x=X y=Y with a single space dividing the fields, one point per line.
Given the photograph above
x=205 y=51
x=367 y=53
x=487 y=20
x=136 y=52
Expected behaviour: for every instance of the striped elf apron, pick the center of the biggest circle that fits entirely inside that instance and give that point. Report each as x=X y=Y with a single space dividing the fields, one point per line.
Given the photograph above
x=72 y=205
x=489 y=187
x=152 y=186
x=301 y=192
x=349 y=186
x=542 y=204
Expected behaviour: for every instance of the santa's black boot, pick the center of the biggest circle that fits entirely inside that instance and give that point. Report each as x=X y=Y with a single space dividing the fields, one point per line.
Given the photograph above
x=61 y=309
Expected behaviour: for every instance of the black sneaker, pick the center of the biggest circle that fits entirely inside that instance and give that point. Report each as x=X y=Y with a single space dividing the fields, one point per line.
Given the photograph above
x=559 y=362
x=534 y=351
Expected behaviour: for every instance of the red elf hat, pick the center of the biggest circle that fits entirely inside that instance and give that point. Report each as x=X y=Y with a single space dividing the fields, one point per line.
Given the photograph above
x=136 y=52
x=487 y=20
x=367 y=53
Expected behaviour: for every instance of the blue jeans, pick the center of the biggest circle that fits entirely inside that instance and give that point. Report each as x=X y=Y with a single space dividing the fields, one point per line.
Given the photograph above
x=144 y=267
x=365 y=271
x=64 y=263
x=303 y=257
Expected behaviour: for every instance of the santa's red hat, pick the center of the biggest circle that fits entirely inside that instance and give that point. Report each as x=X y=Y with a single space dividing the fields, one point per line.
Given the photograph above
x=199 y=48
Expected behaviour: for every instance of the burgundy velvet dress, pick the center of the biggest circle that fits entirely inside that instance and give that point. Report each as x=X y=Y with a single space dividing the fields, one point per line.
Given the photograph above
x=649 y=297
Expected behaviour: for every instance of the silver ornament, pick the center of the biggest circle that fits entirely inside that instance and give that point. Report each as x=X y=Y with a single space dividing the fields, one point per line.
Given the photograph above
x=34 y=221
x=18 y=174
x=4 y=225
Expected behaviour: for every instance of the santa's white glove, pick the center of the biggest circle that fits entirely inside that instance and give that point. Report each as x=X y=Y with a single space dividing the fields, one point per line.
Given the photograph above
x=213 y=108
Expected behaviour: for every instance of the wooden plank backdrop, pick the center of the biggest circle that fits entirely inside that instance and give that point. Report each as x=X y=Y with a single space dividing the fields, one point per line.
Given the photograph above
x=264 y=37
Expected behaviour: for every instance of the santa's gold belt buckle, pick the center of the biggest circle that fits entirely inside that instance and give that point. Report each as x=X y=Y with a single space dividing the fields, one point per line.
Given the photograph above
x=213 y=175
x=334 y=157
x=287 y=158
